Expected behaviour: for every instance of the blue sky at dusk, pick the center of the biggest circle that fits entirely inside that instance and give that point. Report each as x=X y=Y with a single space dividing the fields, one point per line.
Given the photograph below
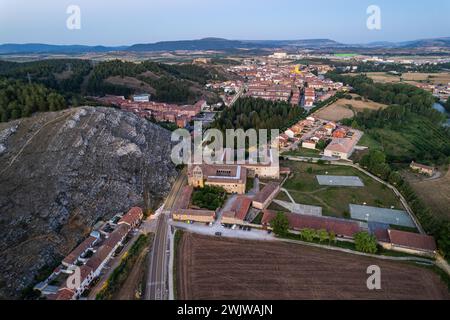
x=118 y=22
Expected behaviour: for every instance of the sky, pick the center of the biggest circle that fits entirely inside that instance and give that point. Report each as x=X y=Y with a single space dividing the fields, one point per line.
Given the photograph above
x=119 y=22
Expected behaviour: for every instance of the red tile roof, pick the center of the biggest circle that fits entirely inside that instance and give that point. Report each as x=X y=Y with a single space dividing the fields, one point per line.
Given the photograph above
x=240 y=207
x=117 y=235
x=81 y=248
x=97 y=259
x=266 y=192
x=132 y=217
x=412 y=240
x=65 y=294
x=85 y=271
x=340 y=227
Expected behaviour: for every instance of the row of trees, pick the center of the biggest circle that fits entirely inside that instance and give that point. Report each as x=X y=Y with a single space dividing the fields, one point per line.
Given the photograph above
x=64 y=75
x=364 y=242
x=410 y=114
x=447 y=105
x=258 y=114
x=400 y=68
x=18 y=99
x=412 y=99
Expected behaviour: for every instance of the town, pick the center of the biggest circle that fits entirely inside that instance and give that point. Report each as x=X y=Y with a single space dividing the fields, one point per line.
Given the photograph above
x=207 y=155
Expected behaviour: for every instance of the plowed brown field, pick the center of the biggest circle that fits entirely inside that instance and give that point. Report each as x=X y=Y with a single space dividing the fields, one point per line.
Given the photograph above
x=218 y=268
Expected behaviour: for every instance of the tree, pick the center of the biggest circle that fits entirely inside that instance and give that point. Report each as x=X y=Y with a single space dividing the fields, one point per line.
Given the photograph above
x=332 y=237
x=322 y=144
x=365 y=242
x=447 y=105
x=322 y=235
x=308 y=234
x=280 y=224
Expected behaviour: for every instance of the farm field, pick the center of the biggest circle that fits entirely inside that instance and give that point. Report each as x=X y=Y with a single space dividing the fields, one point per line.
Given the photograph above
x=344 y=108
x=218 y=268
x=434 y=193
x=305 y=189
x=411 y=77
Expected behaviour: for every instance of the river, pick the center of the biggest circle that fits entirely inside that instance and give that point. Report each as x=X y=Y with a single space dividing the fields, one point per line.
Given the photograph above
x=440 y=108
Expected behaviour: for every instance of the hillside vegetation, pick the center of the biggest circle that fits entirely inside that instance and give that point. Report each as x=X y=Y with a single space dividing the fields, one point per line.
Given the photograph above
x=172 y=83
x=18 y=99
x=51 y=85
x=258 y=114
x=409 y=129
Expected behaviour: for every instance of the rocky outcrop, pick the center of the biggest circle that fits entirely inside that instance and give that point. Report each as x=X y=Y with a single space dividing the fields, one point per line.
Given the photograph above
x=62 y=172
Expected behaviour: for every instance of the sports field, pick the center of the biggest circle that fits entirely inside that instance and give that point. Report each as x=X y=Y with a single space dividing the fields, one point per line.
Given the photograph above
x=334 y=200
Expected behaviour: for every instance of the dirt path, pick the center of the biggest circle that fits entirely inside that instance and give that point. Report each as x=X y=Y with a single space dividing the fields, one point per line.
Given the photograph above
x=130 y=288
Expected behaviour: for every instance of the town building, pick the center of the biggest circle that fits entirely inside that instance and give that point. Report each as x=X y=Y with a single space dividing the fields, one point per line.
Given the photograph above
x=142 y=97
x=343 y=148
x=132 y=218
x=342 y=228
x=421 y=168
x=232 y=178
x=190 y=215
x=413 y=243
x=162 y=112
x=266 y=195
x=89 y=268
x=238 y=211
x=309 y=144
x=72 y=258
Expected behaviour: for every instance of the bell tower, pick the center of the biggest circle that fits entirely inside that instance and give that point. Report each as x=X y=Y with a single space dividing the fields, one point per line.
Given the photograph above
x=197 y=175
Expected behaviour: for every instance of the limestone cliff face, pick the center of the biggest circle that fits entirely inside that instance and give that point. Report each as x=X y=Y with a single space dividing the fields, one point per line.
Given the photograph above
x=61 y=172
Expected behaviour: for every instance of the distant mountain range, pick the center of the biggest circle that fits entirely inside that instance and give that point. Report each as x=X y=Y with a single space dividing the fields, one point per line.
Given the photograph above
x=221 y=45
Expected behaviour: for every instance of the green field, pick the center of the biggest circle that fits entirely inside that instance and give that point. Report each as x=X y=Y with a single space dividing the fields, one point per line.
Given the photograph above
x=345 y=55
x=368 y=141
x=302 y=152
x=305 y=189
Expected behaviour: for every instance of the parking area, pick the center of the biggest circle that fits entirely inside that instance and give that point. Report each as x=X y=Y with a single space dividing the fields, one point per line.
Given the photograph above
x=225 y=231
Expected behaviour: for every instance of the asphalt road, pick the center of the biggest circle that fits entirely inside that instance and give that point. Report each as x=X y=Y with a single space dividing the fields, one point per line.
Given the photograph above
x=157 y=284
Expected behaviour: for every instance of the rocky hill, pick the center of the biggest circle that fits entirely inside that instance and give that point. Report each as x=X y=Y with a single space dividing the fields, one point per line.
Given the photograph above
x=62 y=172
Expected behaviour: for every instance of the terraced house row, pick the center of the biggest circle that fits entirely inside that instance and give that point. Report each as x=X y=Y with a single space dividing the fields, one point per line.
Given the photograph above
x=87 y=261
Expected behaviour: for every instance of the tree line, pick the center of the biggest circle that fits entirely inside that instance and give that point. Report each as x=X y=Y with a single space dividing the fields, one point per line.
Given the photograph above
x=249 y=113
x=410 y=113
x=18 y=99
x=172 y=82
x=375 y=162
x=64 y=75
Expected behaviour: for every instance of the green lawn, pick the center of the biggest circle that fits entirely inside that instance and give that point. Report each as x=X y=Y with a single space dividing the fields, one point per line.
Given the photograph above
x=368 y=141
x=250 y=184
x=302 y=152
x=305 y=189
